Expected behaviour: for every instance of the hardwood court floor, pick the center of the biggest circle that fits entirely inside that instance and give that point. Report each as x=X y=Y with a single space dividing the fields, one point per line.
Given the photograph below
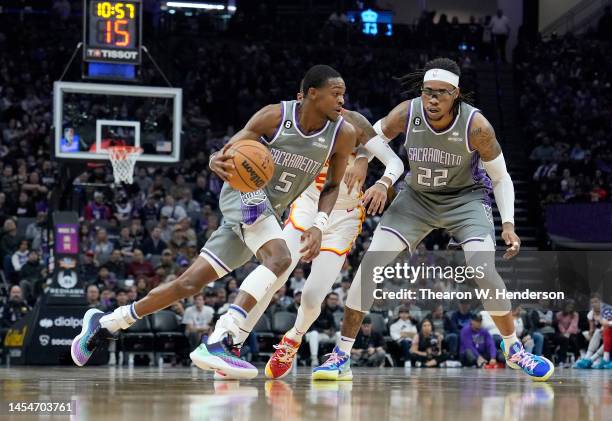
x=168 y=394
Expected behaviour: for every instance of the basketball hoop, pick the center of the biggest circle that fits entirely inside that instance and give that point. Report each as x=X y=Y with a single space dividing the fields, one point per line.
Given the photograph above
x=123 y=159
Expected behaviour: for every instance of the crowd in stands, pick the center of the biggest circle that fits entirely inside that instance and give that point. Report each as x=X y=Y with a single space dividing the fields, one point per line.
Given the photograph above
x=136 y=237
x=566 y=112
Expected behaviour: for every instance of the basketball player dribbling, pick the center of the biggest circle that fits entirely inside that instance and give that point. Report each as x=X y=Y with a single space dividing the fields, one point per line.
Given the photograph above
x=301 y=136
x=450 y=145
x=344 y=225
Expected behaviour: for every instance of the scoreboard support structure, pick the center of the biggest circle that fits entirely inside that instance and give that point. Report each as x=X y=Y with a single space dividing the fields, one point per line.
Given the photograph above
x=112 y=42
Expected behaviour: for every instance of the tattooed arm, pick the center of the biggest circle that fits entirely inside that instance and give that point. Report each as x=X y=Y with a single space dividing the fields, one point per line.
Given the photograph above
x=482 y=139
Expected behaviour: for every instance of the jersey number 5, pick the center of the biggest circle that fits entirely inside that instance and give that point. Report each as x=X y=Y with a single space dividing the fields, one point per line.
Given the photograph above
x=439 y=178
x=286 y=184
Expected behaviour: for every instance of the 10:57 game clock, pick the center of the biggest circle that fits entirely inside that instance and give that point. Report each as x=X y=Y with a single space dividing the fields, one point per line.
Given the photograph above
x=112 y=31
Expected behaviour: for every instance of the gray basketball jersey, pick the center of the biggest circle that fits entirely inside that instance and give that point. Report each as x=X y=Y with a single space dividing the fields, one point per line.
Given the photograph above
x=298 y=159
x=442 y=162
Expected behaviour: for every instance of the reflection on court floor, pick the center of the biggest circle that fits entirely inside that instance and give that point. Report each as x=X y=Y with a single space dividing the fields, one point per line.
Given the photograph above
x=423 y=394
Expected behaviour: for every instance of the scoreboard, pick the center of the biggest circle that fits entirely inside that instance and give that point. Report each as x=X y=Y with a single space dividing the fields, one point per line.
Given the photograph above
x=112 y=31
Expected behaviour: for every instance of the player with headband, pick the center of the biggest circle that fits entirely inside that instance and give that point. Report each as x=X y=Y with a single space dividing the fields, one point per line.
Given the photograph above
x=455 y=162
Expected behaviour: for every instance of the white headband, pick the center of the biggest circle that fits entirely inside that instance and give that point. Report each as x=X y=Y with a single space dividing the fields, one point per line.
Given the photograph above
x=442 y=75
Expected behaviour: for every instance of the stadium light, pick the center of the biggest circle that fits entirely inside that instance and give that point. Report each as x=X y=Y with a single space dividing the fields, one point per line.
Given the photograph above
x=187 y=5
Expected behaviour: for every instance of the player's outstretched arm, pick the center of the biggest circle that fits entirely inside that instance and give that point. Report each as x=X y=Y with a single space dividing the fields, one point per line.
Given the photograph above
x=355 y=174
x=263 y=123
x=392 y=125
x=327 y=199
x=482 y=139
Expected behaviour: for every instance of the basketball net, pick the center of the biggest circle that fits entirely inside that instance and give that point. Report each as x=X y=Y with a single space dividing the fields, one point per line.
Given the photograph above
x=123 y=159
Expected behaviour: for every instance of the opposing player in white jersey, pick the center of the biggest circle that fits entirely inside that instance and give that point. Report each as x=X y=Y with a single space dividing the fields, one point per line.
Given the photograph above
x=339 y=234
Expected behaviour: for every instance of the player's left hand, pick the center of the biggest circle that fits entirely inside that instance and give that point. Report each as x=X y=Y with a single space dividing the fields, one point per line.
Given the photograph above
x=312 y=243
x=512 y=241
x=355 y=174
x=376 y=196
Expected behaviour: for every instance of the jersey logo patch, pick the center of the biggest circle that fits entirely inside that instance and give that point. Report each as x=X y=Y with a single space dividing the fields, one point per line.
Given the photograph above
x=253 y=198
x=287 y=124
x=417 y=121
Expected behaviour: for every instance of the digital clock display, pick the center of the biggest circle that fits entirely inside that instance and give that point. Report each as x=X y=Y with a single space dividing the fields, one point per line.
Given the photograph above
x=113 y=31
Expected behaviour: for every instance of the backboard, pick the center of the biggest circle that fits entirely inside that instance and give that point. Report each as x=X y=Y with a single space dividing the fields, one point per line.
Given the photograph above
x=89 y=117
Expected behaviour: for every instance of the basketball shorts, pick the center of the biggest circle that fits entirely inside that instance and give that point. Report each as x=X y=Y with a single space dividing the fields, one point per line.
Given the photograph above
x=466 y=217
x=248 y=223
x=343 y=227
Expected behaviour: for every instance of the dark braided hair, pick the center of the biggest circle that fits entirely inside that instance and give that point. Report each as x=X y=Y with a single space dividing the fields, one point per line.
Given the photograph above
x=413 y=82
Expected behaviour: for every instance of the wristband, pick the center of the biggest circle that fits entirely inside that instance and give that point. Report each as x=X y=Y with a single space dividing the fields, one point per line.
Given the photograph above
x=383 y=183
x=320 y=221
x=210 y=158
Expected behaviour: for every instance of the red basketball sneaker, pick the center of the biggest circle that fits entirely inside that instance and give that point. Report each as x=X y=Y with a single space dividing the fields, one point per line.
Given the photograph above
x=280 y=362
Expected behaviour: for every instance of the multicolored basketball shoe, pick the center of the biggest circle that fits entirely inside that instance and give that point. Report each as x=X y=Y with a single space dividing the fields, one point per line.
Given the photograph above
x=219 y=375
x=336 y=367
x=218 y=356
x=280 y=362
x=92 y=335
x=539 y=368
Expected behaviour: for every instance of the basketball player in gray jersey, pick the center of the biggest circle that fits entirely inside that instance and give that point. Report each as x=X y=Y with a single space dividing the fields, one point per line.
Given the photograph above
x=452 y=152
x=301 y=137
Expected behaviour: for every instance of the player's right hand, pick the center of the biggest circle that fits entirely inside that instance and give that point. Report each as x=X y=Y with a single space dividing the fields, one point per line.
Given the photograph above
x=221 y=164
x=311 y=238
x=376 y=197
x=355 y=174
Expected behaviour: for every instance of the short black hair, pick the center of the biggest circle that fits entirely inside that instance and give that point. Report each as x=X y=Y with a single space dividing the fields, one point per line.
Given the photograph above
x=444 y=64
x=317 y=76
x=476 y=316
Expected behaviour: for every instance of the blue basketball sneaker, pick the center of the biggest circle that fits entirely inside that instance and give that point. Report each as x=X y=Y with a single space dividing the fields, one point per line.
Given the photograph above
x=218 y=356
x=336 y=367
x=603 y=365
x=92 y=335
x=583 y=363
x=539 y=368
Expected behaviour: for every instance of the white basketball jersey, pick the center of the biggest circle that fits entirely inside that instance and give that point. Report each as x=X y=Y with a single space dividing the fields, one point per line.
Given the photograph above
x=345 y=200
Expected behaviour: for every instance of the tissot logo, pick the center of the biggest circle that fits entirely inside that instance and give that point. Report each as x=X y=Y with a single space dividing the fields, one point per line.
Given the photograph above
x=113 y=54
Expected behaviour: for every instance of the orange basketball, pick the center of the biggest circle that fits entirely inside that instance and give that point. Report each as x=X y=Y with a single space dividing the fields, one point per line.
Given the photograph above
x=254 y=165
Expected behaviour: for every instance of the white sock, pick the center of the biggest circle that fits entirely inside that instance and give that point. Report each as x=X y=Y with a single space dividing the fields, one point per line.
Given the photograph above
x=606 y=356
x=509 y=341
x=345 y=344
x=122 y=318
x=242 y=336
x=294 y=334
x=230 y=323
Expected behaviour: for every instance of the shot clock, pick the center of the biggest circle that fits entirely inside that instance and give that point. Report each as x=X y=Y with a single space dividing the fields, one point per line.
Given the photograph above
x=112 y=31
